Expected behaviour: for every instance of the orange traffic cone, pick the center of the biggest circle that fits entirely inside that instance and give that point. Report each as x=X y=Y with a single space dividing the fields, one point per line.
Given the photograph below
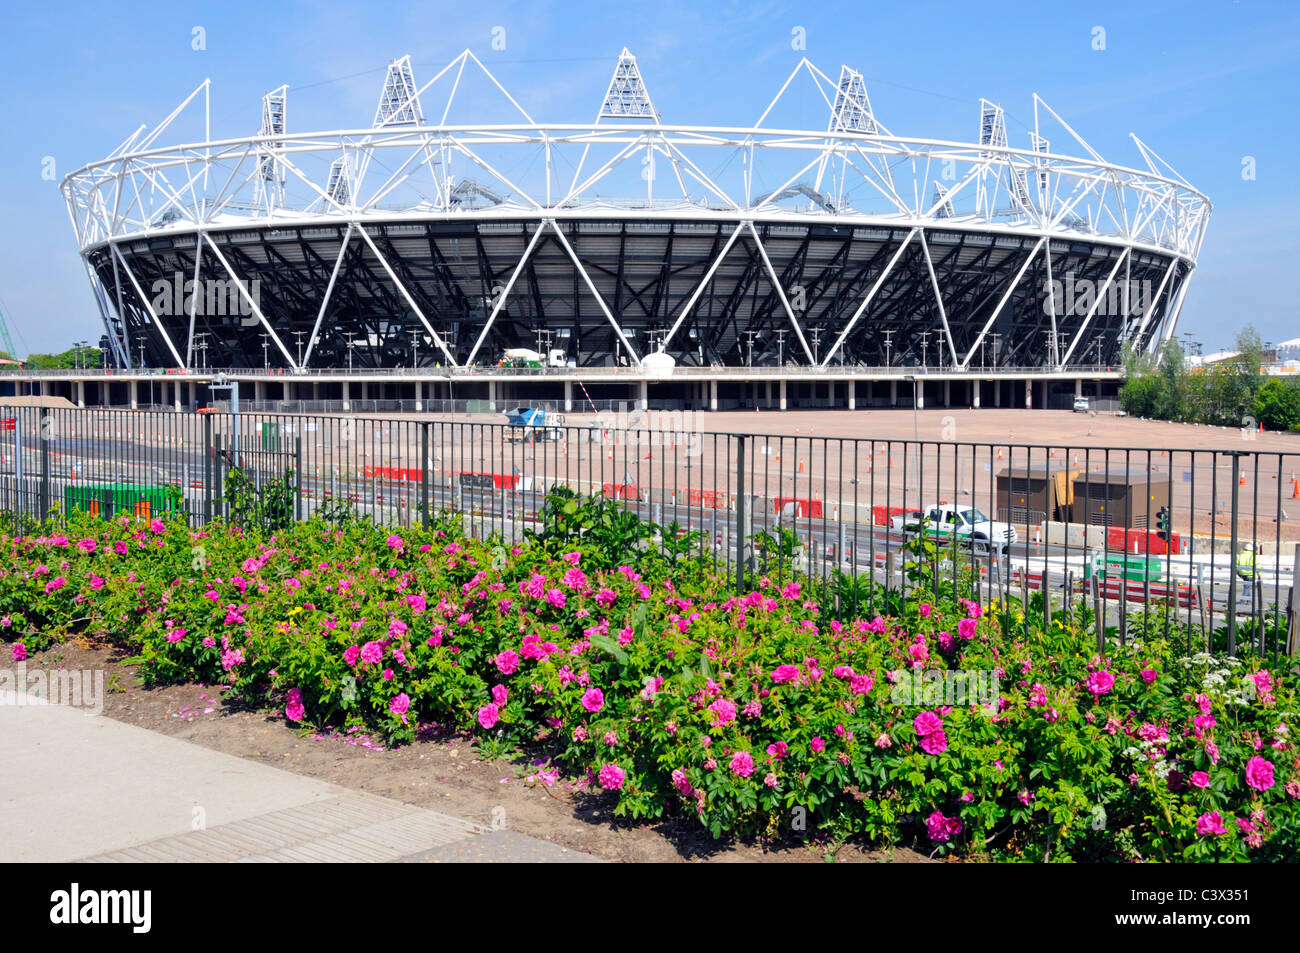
x=1295 y=489
x=1242 y=480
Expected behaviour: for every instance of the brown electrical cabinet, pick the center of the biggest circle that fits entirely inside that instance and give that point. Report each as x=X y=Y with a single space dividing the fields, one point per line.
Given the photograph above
x=1034 y=493
x=1118 y=497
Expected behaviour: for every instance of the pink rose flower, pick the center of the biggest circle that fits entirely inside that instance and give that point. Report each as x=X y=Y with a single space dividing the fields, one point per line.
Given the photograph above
x=508 y=662
x=1210 y=824
x=400 y=704
x=742 y=764
x=783 y=674
x=1200 y=779
x=1259 y=773
x=593 y=700
x=936 y=742
x=681 y=783
x=724 y=712
x=942 y=828
x=488 y=716
x=927 y=723
x=1100 y=683
x=612 y=777
x=295 y=710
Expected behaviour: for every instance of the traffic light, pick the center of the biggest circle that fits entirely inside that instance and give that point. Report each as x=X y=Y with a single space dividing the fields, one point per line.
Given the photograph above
x=1162 y=523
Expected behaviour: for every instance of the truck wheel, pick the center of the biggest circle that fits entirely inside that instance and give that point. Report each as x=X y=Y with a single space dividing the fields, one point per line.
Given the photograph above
x=980 y=546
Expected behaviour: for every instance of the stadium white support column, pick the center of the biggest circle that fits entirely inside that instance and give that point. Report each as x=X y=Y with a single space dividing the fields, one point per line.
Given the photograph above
x=919 y=390
x=568 y=397
x=783 y=400
x=259 y=391
x=194 y=394
x=975 y=394
x=365 y=390
x=713 y=394
x=893 y=393
x=1078 y=387
x=947 y=393
x=135 y=395
x=176 y=396
x=492 y=394
x=853 y=395
x=1029 y=394
x=644 y=398
x=419 y=395
x=81 y=393
x=347 y=395
x=997 y=393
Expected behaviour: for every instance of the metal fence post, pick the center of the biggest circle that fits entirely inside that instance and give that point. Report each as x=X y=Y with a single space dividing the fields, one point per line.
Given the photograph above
x=1293 y=609
x=740 y=512
x=1232 y=569
x=424 y=474
x=218 y=490
x=297 y=478
x=44 y=420
x=207 y=469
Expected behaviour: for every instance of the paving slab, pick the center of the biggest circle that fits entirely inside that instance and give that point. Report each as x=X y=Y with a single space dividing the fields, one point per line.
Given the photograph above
x=82 y=787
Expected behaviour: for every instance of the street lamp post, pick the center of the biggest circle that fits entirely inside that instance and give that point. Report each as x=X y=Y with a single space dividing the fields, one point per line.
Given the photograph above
x=916 y=428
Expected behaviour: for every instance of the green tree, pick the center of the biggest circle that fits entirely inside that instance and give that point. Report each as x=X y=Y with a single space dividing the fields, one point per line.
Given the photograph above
x=1170 y=401
x=66 y=360
x=1277 y=405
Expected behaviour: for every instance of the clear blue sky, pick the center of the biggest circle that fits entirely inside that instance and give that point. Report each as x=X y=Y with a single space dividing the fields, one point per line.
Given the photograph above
x=1203 y=83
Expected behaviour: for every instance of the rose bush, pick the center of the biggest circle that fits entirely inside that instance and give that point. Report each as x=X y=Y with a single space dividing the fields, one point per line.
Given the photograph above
x=659 y=687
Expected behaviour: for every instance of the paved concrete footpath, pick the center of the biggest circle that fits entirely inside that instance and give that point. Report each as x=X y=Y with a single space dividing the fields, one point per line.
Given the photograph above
x=76 y=786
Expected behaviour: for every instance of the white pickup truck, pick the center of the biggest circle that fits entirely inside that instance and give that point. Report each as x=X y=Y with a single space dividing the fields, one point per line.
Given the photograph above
x=971 y=527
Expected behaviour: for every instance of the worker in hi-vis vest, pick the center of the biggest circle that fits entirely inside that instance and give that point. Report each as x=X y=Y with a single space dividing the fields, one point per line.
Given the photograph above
x=1246 y=562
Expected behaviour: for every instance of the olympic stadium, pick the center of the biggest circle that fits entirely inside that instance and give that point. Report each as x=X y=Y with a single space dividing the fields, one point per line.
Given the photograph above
x=629 y=243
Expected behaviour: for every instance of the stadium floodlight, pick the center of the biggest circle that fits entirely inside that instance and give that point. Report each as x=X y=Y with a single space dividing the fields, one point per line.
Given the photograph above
x=1042 y=146
x=852 y=109
x=399 y=103
x=993 y=125
x=627 y=97
x=944 y=204
x=271 y=174
x=339 y=186
x=1019 y=187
